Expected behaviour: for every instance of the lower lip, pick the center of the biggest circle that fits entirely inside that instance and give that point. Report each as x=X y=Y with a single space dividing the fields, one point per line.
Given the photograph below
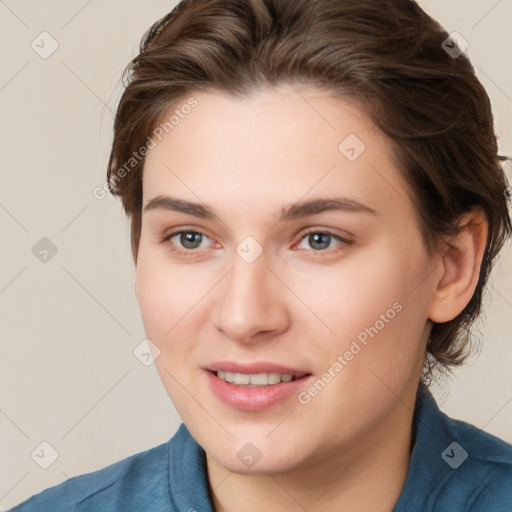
x=256 y=398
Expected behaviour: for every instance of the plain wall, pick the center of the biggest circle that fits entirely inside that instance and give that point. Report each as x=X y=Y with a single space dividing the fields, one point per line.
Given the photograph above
x=69 y=325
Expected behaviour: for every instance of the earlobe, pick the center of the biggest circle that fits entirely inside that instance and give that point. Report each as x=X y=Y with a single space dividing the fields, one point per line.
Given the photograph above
x=461 y=264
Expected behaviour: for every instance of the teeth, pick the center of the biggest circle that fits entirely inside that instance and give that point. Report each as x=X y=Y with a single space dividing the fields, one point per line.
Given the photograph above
x=274 y=378
x=242 y=378
x=260 y=379
x=257 y=379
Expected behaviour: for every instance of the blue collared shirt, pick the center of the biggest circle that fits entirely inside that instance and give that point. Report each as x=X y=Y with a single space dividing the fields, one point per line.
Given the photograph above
x=454 y=467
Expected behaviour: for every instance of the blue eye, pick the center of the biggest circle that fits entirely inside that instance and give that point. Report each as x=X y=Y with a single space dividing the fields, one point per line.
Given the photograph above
x=188 y=240
x=320 y=240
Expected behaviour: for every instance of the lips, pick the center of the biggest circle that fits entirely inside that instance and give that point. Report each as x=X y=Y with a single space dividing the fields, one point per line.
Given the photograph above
x=242 y=395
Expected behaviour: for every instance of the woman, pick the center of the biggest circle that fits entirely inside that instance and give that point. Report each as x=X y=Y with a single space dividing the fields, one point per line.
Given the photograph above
x=316 y=201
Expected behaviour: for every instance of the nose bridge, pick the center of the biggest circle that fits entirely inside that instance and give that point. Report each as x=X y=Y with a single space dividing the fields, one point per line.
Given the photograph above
x=250 y=302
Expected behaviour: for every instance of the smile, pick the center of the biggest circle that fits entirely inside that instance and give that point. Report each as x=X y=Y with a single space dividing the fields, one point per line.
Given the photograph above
x=254 y=379
x=250 y=388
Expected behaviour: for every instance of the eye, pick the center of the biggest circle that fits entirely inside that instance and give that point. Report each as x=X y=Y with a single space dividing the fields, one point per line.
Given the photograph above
x=321 y=240
x=187 y=241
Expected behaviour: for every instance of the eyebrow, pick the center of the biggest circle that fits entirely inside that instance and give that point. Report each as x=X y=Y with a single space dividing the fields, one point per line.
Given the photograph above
x=289 y=212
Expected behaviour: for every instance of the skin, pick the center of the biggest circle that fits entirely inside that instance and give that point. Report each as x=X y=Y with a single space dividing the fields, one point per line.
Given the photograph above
x=247 y=158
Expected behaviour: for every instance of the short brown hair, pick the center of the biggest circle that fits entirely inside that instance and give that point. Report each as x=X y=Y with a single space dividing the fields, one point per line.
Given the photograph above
x=388 y=54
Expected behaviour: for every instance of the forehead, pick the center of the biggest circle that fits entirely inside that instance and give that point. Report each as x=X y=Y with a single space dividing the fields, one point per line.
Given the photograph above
x=272 y=148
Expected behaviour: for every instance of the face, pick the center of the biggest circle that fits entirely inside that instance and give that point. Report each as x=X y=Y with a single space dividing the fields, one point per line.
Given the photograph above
x=280 y=242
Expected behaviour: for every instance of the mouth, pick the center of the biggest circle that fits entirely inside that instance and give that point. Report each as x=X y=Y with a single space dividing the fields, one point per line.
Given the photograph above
x=256 y=386
x=256 y=379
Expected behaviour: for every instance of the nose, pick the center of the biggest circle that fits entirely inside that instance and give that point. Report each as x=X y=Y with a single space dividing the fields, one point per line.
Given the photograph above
x=251 y=303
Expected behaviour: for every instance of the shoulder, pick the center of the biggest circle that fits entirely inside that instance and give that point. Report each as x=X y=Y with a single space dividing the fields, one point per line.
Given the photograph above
x=129 y=479
x=455 y=465
x=480 y=469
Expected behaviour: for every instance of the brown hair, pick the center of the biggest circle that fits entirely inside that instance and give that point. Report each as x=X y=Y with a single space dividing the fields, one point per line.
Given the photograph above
x=388 y=54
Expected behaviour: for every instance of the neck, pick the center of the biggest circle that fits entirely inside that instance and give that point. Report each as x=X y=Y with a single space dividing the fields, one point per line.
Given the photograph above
x=368 y=474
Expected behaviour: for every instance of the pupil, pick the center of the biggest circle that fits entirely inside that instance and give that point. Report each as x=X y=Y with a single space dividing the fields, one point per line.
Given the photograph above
x=189 y=240
x=319 y=238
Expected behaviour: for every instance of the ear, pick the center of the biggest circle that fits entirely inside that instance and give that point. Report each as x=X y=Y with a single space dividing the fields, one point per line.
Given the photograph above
x=460 y=267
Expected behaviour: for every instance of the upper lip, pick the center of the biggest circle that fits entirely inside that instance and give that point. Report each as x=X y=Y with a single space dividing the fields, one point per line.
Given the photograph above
x=254 y=368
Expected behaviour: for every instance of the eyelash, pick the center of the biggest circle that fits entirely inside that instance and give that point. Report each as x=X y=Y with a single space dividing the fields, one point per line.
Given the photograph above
x=343 y=241
x=193 y=252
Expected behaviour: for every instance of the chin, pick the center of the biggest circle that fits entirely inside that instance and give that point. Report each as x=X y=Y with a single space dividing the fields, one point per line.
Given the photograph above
x=271 y=464
x=258 y=456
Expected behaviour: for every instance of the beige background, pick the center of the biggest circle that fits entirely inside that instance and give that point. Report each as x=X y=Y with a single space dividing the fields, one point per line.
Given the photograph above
x=69 y=326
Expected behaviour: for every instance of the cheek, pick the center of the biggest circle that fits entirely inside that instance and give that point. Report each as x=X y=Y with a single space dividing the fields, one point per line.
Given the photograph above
x=352 y=294
x=376 y=351
x=167 y=293
x=153 y=295
x=374 y=306
x=175 y=303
